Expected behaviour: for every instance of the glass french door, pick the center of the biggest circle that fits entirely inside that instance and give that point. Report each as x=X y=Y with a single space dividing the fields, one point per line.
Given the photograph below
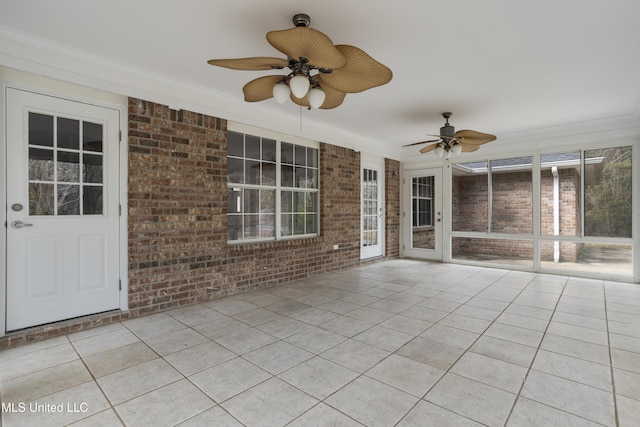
x=422 y=214
x=372 y=211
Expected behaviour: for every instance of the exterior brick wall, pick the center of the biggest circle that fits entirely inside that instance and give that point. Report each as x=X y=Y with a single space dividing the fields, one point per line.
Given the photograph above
x=392 y=208
x=177 y=213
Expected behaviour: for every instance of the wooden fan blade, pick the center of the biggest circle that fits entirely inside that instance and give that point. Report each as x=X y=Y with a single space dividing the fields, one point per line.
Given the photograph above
x=467 y=148
x=360 y=73
x=421 y=142
x=251 y=64
x=333 y=98
x=473 y=137
x=260 y=89
x=428 y=148
x=305 y=42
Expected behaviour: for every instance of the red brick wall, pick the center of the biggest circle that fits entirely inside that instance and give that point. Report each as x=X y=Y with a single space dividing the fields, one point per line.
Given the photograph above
x=178 y=251
x=392 y=208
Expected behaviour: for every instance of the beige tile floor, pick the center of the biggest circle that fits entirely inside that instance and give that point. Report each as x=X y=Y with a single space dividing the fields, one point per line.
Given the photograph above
x=399 y=343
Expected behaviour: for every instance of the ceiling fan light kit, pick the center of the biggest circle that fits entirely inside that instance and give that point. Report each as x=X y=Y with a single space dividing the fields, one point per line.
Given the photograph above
x=321 y=73
x=452 y=143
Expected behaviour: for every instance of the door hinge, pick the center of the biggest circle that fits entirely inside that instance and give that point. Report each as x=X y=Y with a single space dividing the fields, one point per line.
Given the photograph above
x=119 y=284
x=119 y=210
x=119 y=136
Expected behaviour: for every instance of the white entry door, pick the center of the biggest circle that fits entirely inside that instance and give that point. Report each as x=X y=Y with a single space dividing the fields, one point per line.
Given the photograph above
x=62 y=209
x=372 y=202
x=422 y=229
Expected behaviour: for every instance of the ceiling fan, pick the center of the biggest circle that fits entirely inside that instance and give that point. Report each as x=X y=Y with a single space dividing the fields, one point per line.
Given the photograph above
x=321 y=73
x=451 y=142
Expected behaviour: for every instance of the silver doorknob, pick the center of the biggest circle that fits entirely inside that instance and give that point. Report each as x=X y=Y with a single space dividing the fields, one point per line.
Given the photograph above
x=20 y=224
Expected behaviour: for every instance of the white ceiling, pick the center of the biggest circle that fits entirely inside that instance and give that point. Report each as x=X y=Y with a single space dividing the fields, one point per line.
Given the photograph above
x=501 y=66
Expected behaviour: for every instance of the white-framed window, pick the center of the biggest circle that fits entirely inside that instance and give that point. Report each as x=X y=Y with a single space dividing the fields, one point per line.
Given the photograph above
x=272 y=188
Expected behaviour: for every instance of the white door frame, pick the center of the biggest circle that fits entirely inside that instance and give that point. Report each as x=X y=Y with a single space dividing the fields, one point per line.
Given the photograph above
x=376 y=164
x=44 y=86
x=435 y=254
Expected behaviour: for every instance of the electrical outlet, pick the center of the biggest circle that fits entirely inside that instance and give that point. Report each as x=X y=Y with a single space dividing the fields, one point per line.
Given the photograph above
x=336 y=247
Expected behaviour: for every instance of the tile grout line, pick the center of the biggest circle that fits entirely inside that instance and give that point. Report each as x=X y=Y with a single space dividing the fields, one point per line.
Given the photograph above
x=613 y=381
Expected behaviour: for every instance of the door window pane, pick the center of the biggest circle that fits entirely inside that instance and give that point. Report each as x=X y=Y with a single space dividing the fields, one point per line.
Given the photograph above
x=607 y=192
x=41 y=199
x=40 y=130
x=68 y=167
x=68 y=133
x=92 y=169
x=92 y=137
x=92 y=200
x=40 y=164
x=68 y=199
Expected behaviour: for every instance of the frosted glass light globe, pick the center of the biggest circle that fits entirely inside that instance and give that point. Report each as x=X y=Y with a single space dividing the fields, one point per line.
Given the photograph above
x=299 y=86
x=281 y=92
x=316 y=97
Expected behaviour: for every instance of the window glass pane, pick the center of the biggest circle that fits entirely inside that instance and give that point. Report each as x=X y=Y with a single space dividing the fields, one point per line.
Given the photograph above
x=607 y=192
x=251 y=227
x=235 y=144
x=286 y=176
x=252 y=172
x=298 y=223
x=560 y=189
x=234 y=200
x=92 y=137
x=41 y=198
x=40 y=164
x=267 y=225
x=512 y=195
x=312 y=178
x=92 y=168
x=267 y=201
x=269 y=150
x=268 y=173
x=235 y=170
x=68 y=199
x=251 y=201
x=312 y=157
x=312 y=202
x=470 y=197
x=40 y=129
x=68 y=133
x=92 y=200
x=299 y=200
x=286 y=225
x=286 y=201
x=68 y=167
x=252 y=147
x=301 y=155
x=301 y=177
x=312 y=223
x=286 y=153
x=234 y=227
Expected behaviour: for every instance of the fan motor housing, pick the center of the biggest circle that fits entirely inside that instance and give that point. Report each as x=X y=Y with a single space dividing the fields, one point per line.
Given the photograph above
x=447 y=130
